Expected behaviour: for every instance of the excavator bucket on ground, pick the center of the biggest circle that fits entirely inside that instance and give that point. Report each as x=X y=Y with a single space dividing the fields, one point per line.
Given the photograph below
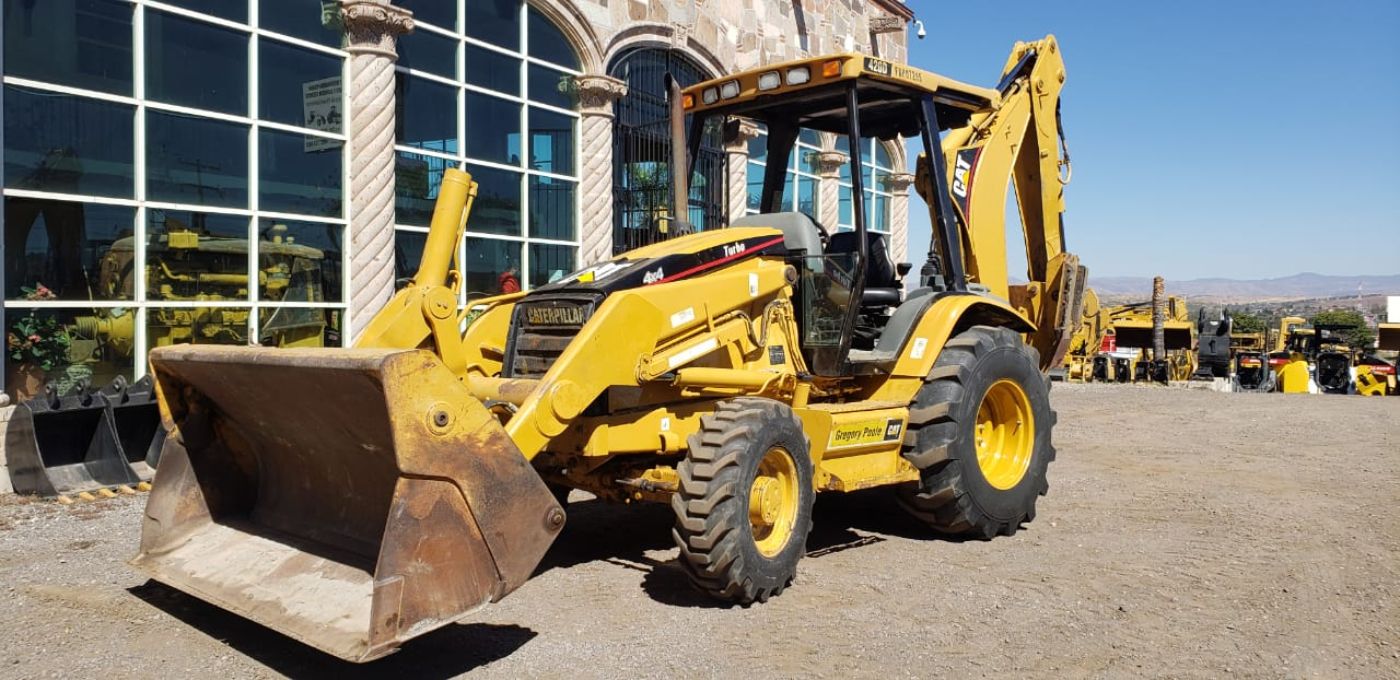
x=71 y=446
x=348 y=498
x=136 y=419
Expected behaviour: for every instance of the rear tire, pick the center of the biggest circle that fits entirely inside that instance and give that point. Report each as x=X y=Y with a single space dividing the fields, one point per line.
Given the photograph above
x=984 y=387
x=744 y=507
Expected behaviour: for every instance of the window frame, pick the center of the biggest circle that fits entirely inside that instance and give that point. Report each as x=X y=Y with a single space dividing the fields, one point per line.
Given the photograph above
x=141 y=301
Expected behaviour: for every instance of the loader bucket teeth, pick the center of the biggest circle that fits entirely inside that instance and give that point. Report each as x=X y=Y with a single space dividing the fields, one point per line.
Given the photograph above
x=71 y=446
x=348 y=498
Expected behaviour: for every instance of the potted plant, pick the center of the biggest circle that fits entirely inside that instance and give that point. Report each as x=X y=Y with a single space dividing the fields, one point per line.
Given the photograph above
x=37 y=344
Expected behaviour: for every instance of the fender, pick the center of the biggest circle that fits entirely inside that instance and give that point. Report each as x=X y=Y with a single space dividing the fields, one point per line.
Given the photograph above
x=947 y=316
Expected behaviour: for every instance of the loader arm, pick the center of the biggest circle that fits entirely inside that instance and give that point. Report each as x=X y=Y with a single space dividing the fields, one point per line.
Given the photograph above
x=1018 y=142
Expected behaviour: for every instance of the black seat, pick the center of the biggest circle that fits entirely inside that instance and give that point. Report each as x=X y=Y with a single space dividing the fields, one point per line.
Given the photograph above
x=882 y=285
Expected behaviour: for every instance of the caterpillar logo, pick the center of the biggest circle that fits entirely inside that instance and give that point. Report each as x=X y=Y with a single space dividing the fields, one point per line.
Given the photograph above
x=960 y=177
x=555 y=316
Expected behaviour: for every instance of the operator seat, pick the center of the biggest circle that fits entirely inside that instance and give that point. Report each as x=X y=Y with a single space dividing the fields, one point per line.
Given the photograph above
x=882 y=285
x=800 y=232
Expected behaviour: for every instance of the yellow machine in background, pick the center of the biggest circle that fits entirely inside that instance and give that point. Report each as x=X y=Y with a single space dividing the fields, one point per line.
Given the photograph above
x=732 y=374
x=184 y=264
x=1086 y=342
x=1131 y=327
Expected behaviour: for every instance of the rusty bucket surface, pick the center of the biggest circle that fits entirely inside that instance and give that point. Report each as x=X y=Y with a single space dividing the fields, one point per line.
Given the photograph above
x=349 y=498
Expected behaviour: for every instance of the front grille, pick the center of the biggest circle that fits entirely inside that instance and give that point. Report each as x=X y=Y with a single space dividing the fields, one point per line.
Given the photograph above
x=541 y=329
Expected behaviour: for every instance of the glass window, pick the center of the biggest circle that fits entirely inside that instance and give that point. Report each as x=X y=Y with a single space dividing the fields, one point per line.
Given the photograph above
x=846 y=216
x=549 y=263
x=301 y=261
x=408 y=252
x=882 y=156
x=196 y=160
x=311 y=20
x=233 y=10
x=196 y=64
x=416 y=179
x=440 y=13
x=427 y=114
x=551 y=142
x=808 y=196
x=492 y=70
x=758 y=149
x=552 y=87
x=67 y=144
x=299 y=74
x=93 y=51
x=755 y=178
x=79 y=344
x=493 y=267
x=547 y=42
x=429 y=52
x=880 y=220
x=494 y=21
x=497 y=206
x=298 y=327
x=78 y=251
x=193 y=255
x=493 y=129
x=196 y=325
x=552 y=208
x=299 y=174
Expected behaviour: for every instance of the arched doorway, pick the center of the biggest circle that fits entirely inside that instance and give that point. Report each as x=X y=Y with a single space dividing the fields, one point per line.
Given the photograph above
x=642 y=211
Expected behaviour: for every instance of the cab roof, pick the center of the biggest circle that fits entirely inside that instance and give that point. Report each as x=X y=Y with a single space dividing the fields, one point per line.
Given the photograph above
x=820 y=103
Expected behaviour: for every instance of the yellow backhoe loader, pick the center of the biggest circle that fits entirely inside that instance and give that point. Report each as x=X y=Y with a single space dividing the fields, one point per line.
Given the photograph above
x=356 y=498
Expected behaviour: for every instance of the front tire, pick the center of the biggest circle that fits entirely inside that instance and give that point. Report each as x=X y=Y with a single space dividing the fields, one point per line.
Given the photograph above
x=979 y=432
x=744 y=507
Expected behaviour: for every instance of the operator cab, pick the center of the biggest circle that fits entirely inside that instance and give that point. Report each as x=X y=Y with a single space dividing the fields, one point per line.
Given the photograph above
x=852 y=310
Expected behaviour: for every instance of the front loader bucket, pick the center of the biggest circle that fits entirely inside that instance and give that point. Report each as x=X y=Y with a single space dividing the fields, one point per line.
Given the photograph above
x=349 y=498
x=136 y=417
x=71 y=446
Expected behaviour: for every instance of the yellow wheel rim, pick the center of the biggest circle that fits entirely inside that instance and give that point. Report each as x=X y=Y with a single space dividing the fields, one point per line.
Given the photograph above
x=1005 y=434
x=773 y=501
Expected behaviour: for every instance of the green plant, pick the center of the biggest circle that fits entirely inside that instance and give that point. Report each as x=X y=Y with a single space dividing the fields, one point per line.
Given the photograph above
x=35 y=338
x=1247 y=322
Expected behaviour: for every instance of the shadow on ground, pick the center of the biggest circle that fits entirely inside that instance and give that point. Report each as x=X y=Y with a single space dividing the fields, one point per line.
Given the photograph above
x=444 y=653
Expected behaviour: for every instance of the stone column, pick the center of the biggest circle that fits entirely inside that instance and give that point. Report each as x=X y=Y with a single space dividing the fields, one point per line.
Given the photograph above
x=596 y=94
x=829 y=164
x=372 y=29
x=899 y=183
x=736 y=146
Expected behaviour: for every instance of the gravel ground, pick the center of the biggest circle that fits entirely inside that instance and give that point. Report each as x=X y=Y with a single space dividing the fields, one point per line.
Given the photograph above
x=1187 y=534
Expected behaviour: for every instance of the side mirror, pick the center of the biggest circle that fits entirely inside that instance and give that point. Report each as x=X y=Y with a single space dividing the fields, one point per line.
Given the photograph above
x=902 y=268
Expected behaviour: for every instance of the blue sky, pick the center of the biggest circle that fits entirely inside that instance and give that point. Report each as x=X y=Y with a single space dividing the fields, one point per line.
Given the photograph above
x=1237 y=139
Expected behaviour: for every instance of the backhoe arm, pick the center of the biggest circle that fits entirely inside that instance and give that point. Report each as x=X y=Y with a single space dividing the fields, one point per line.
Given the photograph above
x=1020 y=142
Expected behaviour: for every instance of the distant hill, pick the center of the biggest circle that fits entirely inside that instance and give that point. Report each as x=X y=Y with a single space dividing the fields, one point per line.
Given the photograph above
x=1295 y=287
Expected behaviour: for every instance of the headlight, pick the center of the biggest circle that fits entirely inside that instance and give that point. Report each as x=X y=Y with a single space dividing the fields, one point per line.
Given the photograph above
x=729 y=90
x=799 y=75
x=709 y=96
x=770 y=80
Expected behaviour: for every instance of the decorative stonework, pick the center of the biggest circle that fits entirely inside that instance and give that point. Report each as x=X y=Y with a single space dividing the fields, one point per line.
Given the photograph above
x=738 y=133
x=886 y=24
x=900 y=182
x=596 y=94
x=829 y=163
x=373 y=27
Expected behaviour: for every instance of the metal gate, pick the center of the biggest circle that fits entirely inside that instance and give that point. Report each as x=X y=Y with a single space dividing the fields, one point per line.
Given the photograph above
x=642 y=211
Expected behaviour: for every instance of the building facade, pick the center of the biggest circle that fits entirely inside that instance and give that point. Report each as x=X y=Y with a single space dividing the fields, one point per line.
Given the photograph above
x=263 y=171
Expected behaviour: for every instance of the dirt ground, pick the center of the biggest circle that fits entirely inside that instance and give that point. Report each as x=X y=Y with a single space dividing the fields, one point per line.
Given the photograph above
x=1187 y=534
